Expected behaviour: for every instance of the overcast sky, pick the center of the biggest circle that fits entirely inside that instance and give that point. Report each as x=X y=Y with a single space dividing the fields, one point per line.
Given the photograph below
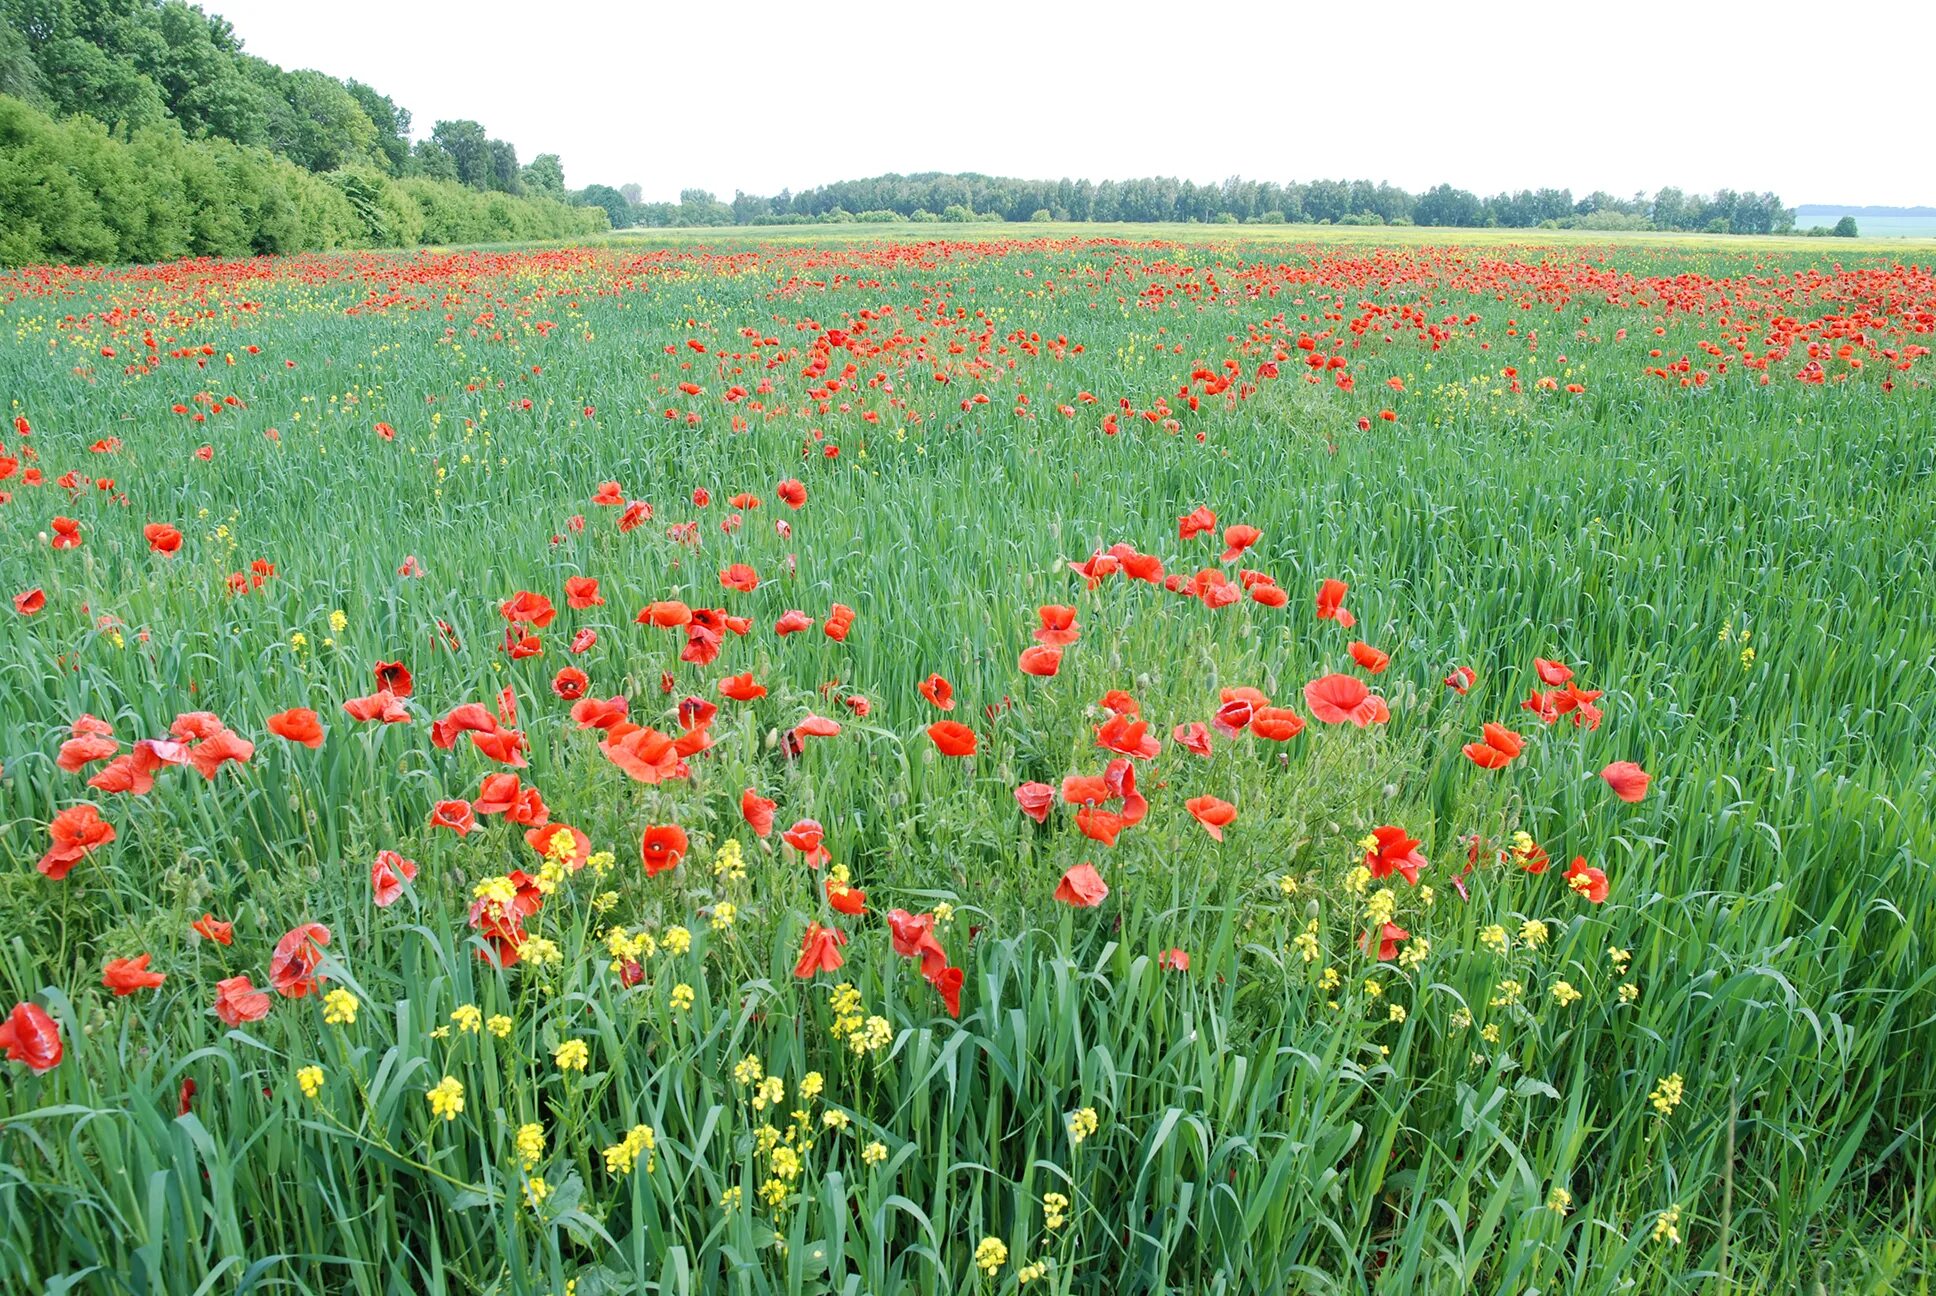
x=1822 y=105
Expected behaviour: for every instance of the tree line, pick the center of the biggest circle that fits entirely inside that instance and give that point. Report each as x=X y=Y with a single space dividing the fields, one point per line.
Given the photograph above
x=140 y=130
x=968 y=196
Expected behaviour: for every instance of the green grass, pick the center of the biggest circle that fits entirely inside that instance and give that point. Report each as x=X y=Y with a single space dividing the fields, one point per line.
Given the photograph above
x=1259 y=1129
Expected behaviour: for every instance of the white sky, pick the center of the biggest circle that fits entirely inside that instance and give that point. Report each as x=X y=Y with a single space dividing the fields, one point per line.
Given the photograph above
x=1820 y=105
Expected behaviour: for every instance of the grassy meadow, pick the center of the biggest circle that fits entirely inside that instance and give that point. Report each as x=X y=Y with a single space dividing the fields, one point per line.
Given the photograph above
x=1633 y=501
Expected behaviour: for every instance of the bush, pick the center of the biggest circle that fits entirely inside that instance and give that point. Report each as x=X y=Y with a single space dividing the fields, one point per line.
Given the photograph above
x=1041 y=214
x=72 y=192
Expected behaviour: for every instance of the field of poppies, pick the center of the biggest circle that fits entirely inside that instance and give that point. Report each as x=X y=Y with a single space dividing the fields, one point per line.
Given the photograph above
x=1071 y=765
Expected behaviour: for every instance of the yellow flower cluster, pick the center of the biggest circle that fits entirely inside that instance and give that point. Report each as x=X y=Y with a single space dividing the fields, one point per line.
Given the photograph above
x=530 y=1144
x=729 y=861
x=468 y=1018
x=1055 y=1211
x=339 y=1007
x=1083 y=1123
x=572 y=1055
x=310 y=1079
x=446 y=1098
x=623 y=1155
x=1666 y=1095
x=991 y=1253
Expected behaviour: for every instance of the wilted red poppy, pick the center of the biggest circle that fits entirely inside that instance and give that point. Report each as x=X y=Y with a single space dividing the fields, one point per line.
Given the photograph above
x=1214 y=814
x=1461 y=679
x=298 y=725
x=1035 y=800
x=380 y=705
x=83 y=750
x=947 y=983
x=1082 y=887
x=292 y=967
x=1628 y=780
x=1588 y=882
x=912 y=936
x=662 y=847
x=238 y=1001
x=938 y=691
x=952 y=738
x=1392 y=851
x=125 y=976
x=388 y=872
x=28 y=1035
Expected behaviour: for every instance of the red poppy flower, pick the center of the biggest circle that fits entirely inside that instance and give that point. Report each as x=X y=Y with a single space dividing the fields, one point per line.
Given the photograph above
x=1214 y=814
x=666 y=614
x=1340 y=699
x=1238 y=538
x=912 y=936
x=1394 y=852
x=839 y=621
x=741 y=688
x=1276 y=724
x=162 y=538
x=1628 y=780
x=1082 y=887
x=1331 y=604
x=79 y=752
x=1058 y=628
x=1128 y=736
x=581 y=592
x=292 y=967
x=30 y=1036
x=757 y=811
x=125 y=976
x=845 y=899
x=1193 y=737
x=1552 y=672
x=209 y=927
x=1268 y=594
x=1368 y=657
x=298 y=725
x=1174 y=960
x=792 y=623
x=238 y=1001
x=952 y=738
x=1389 y=938
x=938 y=691
x=792 y=492
x=28 y=602
x=1461 y=679
x=388 y=872
x=608 y=495
x=67 y=533
x=820 y=950
x=380 y=705
x=740 y=577
x=1035 y=800
x=496 y=794
x=75 y=831
x=454 y=815
x=1234 y=716
x=1196 y=522
x=1040 y=660
x=394 y=677
x=805 y=837
x=570 y=683
x=1588 y=882
x=1500 y=747
x=947 y=983
x=646 y=755
x=599 y=713
x=662 y=847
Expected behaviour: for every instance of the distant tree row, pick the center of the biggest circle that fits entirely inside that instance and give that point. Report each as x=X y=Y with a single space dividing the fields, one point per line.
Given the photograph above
x=968 y=196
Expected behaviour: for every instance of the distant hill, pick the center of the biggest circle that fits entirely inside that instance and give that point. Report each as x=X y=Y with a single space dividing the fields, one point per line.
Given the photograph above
x=1836 y=211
